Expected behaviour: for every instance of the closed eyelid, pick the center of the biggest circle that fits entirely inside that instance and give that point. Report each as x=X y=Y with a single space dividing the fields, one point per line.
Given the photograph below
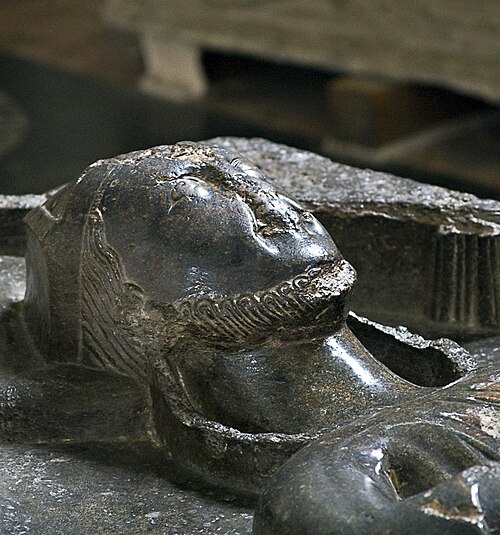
x=294 y=204
x=264 y=228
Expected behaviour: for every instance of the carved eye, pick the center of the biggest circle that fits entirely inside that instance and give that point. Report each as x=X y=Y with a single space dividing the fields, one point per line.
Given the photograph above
x=271 y=230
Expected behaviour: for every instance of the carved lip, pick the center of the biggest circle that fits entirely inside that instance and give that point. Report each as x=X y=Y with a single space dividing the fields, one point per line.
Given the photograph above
x=310 y=303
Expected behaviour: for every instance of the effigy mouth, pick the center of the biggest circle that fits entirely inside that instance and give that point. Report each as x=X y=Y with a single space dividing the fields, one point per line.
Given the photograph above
x=312 y=303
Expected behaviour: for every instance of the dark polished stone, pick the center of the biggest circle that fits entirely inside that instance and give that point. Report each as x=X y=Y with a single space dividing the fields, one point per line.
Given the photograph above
x=177 y=303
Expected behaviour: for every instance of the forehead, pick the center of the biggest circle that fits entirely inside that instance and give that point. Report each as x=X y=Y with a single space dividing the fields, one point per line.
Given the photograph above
x=184 y=185
x=178 y=164
x=189 y=184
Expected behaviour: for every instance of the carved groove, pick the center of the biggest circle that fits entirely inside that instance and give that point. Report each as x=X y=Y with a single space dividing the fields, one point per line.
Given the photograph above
x=466 y=280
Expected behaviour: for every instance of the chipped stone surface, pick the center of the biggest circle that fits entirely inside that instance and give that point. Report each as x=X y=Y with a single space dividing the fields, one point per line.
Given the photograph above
x=489 y=420
x=469 y=513
x=320 y=185
x=12 y=280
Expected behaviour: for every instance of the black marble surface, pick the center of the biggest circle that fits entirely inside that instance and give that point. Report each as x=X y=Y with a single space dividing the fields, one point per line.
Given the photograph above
x=98 y=487
x=103 y=480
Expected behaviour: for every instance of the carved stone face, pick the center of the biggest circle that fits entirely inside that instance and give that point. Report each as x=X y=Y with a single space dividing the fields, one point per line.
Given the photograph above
x=202 y=223
x=178 y=242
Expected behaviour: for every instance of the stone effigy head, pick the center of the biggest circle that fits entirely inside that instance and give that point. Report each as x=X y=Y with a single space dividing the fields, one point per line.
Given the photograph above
x=183 y=268
x=178 y=243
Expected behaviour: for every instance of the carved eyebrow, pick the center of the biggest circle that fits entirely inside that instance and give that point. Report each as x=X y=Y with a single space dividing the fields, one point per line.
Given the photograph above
x=292 y=203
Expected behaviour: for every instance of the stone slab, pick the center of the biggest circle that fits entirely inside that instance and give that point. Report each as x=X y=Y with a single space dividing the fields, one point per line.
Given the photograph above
x=108 y=489
x=447 y=43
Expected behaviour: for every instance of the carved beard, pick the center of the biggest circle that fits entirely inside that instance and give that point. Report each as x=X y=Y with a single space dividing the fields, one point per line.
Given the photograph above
x=309 y=304
x=124 y=331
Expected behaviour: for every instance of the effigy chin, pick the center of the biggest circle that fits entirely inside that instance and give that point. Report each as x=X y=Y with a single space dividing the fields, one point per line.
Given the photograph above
x=178 y=352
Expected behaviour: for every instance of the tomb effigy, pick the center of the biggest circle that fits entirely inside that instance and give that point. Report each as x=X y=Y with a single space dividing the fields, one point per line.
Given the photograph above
x=180 y=302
